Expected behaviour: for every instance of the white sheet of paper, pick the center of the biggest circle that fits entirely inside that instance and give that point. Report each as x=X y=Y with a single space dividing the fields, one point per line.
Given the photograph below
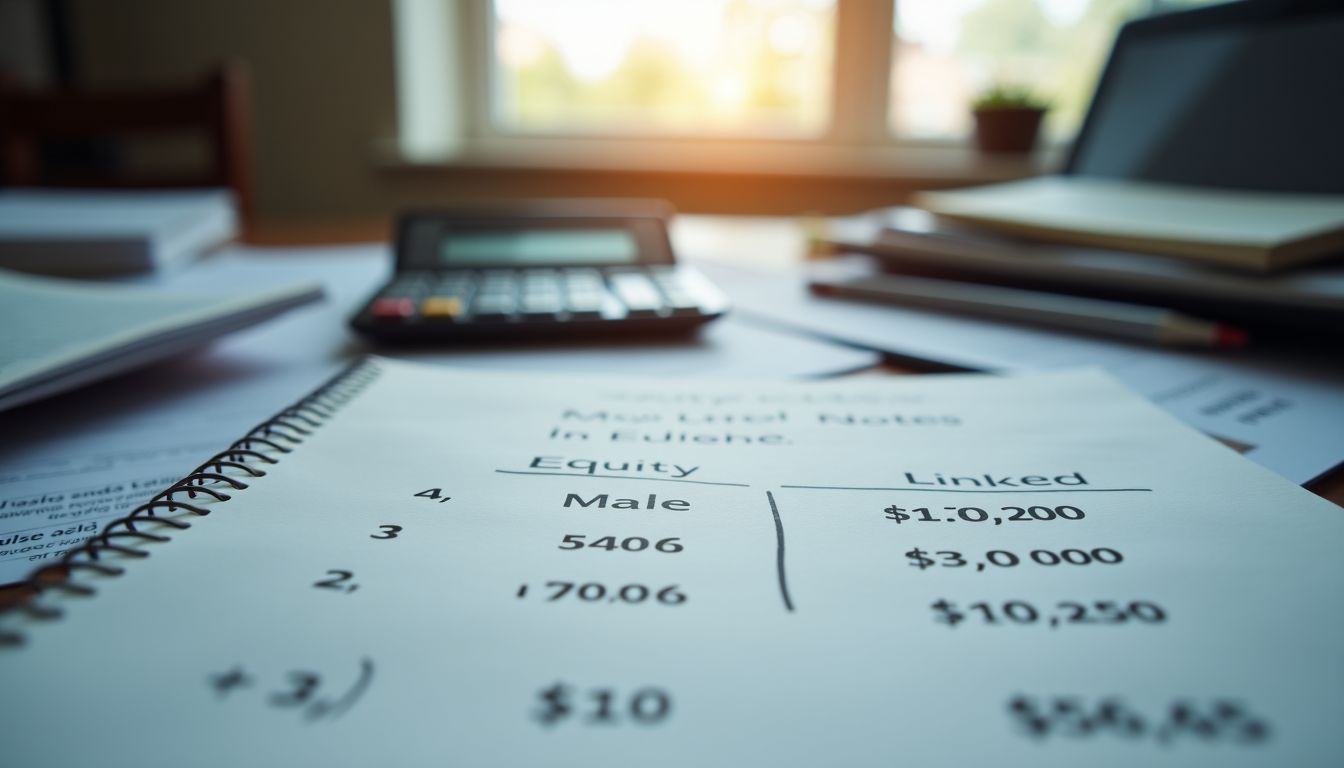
x=1281 y=412
x=1145 y=210
x=1038 y=570
x=71 y=463
x=60 y=334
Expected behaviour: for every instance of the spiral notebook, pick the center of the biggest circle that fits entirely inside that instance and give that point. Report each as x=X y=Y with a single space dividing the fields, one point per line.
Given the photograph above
x=418 y=566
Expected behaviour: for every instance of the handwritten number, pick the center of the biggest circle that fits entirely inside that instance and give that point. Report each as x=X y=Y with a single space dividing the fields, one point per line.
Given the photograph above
x=301 y=692
x=337 y=581
x=227 y=681
x=389 y=532
x=647 y=706
x=305 y=684
x=603 y=713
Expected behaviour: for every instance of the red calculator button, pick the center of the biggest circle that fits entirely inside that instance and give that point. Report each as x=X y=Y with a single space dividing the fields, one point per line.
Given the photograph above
x=392 y=309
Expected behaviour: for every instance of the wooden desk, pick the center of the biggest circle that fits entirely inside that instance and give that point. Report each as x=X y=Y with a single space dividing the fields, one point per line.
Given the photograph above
x=269 y=233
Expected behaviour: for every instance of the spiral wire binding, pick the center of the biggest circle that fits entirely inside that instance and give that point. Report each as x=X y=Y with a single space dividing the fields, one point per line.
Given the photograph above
x=277 y=434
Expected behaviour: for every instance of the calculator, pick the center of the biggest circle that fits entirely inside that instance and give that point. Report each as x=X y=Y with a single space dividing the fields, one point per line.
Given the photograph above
x=542 y=268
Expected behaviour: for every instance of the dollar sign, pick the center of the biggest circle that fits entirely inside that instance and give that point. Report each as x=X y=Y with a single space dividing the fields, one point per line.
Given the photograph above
x=918 y=559
x=896 y=513
x=554 y=704
x=947 y=613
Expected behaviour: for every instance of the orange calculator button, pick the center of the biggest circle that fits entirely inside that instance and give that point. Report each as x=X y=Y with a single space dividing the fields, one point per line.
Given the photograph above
x=441 y=306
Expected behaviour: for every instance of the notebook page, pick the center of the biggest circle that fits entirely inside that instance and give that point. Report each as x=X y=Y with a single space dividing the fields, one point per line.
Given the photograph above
x=62 y=333
x=475 y=569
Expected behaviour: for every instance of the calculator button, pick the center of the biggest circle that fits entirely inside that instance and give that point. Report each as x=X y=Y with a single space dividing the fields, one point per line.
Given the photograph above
x=454 y=288
x=541 y=305
x=462 y=295
x=493 y=307
x=540 y=277
x=583 y=280
x=409 y=289
x=541 y=291
x=591 y=298
x=441 y=307
x=585 y=289
x=390 y=308
x=494 y=301
x=588 y=297
x=585 y=307
x=692 y=283
x=498 y=288
x=682 y=304
x=637 y=293
x=670 y=283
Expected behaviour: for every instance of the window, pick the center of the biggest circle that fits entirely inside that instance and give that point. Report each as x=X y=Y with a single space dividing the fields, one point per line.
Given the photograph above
x=845 y=74
x=690 y=66
x=947 y=51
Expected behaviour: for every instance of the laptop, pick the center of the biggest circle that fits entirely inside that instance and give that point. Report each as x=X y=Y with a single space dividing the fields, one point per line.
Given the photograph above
x=1245 y=95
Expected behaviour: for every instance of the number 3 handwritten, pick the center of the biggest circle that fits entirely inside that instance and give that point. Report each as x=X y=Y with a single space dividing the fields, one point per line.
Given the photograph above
x=388 y=532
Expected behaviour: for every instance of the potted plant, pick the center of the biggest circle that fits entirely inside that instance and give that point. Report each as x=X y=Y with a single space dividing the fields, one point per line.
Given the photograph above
x=1007 y=120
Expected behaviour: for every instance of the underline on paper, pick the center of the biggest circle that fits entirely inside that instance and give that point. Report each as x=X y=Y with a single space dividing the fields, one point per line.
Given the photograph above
x=619 y=477
x=970 y=490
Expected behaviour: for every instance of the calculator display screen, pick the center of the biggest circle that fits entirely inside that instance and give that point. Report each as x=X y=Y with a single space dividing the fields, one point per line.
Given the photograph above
x=537 y=235
x=538 y=247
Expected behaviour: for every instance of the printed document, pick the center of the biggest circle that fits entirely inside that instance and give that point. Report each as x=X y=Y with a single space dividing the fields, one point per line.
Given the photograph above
x=1040 y=570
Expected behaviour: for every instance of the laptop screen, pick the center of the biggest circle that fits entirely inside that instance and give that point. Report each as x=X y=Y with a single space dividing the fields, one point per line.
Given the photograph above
x=1232 y=100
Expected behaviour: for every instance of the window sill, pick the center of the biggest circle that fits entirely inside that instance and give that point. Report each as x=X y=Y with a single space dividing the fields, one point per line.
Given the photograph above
x=931 y=164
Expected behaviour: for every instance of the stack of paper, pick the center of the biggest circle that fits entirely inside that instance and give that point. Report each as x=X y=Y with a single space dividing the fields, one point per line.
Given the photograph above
x=1250 y=230
x=65 y=232
x=60 y=334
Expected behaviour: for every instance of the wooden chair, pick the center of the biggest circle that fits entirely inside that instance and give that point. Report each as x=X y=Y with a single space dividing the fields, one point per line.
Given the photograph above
x=217 y=109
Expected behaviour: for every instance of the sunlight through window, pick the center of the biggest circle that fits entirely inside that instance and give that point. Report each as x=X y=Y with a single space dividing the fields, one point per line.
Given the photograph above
x=757 y=67
x=947 y=52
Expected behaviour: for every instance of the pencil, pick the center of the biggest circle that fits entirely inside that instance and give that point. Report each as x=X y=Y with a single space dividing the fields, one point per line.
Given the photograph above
x=1133 y=322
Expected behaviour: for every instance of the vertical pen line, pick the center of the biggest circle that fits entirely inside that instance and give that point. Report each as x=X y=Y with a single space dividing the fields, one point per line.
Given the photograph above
x=779 y=553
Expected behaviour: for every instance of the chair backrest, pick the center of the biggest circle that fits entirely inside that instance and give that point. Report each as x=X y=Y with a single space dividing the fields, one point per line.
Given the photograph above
x=217 y=109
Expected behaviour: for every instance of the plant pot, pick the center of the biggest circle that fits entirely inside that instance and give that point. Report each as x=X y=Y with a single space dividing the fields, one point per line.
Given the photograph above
x=1007 y=130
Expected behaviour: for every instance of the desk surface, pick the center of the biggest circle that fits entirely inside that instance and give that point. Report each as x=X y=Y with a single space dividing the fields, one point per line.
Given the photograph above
x=757 y=241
